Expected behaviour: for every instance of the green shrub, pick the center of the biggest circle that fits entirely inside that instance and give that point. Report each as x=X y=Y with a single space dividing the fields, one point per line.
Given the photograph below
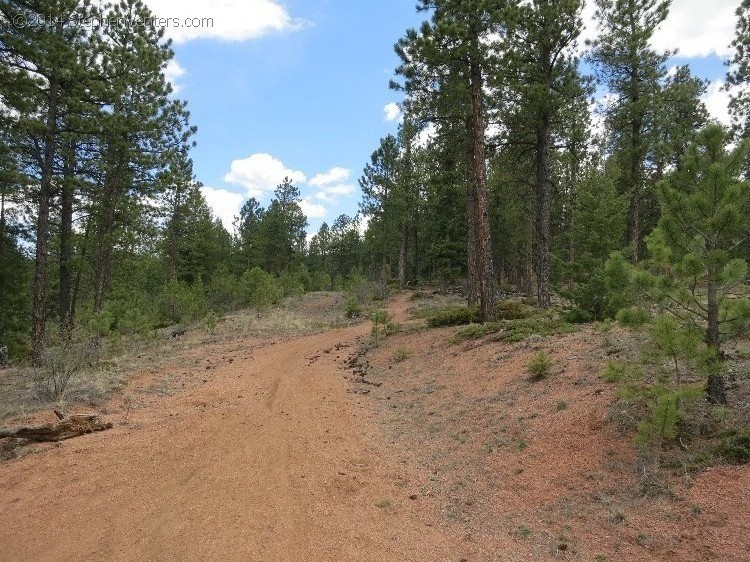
x=320 y=281
x=259 y=289
x=517 y=330
x=512 y=310
x=401 y=354
x=381 y=324
x=633 y=317
x=540 y=366
x=210 y=321
x=294 y=281
x=352 y=308
x=181 y=303
x=224 y=292
x=735 y=447
x=578 y=316
x=454 y=316
x=615 y=372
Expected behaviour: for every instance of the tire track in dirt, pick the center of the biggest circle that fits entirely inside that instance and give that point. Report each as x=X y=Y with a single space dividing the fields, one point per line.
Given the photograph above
x=272 y=459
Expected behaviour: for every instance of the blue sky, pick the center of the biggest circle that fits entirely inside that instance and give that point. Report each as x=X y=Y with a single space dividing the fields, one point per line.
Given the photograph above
x=300 y=88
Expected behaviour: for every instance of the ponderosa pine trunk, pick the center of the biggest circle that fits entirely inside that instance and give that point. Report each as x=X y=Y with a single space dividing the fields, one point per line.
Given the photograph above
x=543 y=180
x=479 y=169
x=472 y=242
x=66 y=242
x=635 y=161
x=402 y=256
x=715 y=387
x=105 y=228
x=39 y=303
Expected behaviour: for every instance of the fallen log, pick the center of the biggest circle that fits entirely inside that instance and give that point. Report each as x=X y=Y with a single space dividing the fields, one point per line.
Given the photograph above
x=67 y=428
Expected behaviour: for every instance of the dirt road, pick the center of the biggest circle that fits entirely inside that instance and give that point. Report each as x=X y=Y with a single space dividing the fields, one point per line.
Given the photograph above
x=270 y=459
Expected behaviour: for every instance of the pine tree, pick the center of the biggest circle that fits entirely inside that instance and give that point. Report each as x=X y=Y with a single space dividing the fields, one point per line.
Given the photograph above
x=694 y=250
x=445 y=69
x=196 y=243
x=600 y=225
x=632 y=71
x=248 y=234
x=545 y=81
x=283 y=229
x=144 y=132
x=379 y=184
x=41 y=72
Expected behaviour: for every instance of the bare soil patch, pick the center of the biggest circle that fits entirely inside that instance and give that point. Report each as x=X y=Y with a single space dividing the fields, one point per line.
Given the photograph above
x=542 y=470
x=295 y=440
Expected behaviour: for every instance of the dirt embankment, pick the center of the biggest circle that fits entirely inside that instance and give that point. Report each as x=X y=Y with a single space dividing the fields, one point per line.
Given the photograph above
x=304 y=447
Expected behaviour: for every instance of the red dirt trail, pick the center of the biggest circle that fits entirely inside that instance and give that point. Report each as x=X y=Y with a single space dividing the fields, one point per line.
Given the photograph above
x=272 y=459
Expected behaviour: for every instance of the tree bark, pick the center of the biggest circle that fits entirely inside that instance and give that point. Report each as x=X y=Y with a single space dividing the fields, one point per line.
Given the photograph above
x=543 y=209
x=715 y=387
x=472 y=265
x=636 y=150
x=479 y=168
x=402 y=256
x=66 y=241
x=39 y=306
x=105 y=228
x=416 y=251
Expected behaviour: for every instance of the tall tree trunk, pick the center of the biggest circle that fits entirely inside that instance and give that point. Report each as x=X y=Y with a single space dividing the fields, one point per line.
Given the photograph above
x=39 y=303
x=573 y=202
x=636 y=159
x=479 y=168
x=2 y=228
x=635 y=192
x=66 y=240
x=416 y=251
x=104 y=239
x=402 y=256
x=2 y=244
x=543 y=208
x=715 y=387
x=472 y=265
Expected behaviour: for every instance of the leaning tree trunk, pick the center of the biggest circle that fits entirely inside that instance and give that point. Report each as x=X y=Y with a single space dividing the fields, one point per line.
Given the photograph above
x=479 y=169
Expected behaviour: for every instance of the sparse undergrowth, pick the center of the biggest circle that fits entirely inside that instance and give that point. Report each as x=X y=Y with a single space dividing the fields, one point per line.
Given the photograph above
x=88 y=371
x=542 y=324
x=539 y=367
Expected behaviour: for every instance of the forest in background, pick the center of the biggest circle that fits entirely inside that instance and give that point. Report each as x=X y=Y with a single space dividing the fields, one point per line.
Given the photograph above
x=500 y=180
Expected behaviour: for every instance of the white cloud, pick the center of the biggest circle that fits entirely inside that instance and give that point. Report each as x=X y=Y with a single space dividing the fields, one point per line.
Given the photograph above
x=333 y=184
x=697 y=31
x=313 y=210
x=392 y=112
x=261 y=173
x=173 y=72
x=332 y=193
x=717 y=102
x=332 y=176
x=224 y=204
x=230 y=20
x=426 y=136
x=364 y=223
x=693 y=27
